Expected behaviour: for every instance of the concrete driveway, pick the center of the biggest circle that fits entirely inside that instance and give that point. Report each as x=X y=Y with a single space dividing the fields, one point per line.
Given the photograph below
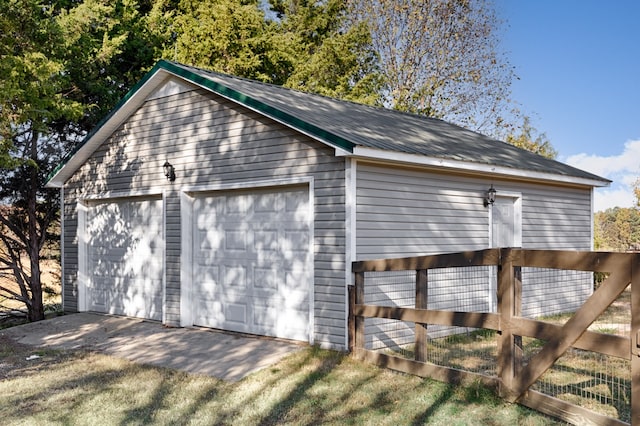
x=226 y=356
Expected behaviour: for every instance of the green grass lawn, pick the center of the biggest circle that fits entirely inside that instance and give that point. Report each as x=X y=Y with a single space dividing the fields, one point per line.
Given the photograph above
x=312 y=386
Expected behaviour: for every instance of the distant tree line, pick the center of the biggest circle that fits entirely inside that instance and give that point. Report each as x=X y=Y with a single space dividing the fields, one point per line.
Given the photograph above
x=618 y=228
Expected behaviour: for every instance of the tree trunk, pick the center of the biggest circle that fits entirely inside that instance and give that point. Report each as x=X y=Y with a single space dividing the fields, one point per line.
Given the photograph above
x=36 y=307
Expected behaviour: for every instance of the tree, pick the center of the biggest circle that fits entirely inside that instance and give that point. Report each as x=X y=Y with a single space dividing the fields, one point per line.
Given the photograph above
x=63 y=66
x=440 y=58
x=323 y=55
x=223 y=35
x=299 y=44
x=107 y=46
x=636 y=192
x=34 y=100
x=529 y=139
x=617 y=229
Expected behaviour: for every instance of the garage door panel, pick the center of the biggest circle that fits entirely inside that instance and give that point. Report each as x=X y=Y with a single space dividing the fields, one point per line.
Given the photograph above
x=264 y=318
x=261 y=244
x=236 y=313
x=125 y=257
x=265 y=240
x=235 y=240
x=266 y=278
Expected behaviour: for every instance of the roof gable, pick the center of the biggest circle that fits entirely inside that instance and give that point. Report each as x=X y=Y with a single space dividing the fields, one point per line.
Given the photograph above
x=352 y=129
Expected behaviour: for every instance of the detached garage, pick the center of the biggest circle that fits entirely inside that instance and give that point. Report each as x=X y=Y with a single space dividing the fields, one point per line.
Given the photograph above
x=208 y=200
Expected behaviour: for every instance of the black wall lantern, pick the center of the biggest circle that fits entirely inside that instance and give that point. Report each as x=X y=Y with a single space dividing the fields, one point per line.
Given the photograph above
x=169 y=171
x=490 y=196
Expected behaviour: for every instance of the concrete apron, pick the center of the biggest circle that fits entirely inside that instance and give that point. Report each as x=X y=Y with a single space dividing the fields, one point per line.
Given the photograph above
x=226 y=356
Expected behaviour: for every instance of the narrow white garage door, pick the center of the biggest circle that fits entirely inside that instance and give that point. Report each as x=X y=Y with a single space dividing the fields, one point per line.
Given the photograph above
x=125 y=258
x=252 y=262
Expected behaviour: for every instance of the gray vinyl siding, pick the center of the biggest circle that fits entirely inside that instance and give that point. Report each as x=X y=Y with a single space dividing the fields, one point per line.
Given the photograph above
x=70 y=253
x=408 y=212
x=211 y=141
x=405 y=212
x=557 y=218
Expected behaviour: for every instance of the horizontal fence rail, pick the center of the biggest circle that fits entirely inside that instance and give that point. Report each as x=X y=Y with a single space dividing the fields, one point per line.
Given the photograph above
x=505 y=336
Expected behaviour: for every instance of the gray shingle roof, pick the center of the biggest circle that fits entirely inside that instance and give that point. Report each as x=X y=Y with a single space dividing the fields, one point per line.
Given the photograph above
x=384 y=129
x=342 y=124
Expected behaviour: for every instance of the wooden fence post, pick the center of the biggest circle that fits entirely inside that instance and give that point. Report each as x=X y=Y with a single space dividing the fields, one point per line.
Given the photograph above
x=421 y=303
x=635 y=339
x=351 y=321
x=358 y=320
x=517 y=311
x=507 y=306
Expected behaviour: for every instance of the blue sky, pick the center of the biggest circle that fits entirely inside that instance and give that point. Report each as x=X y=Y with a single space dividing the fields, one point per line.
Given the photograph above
x=579 y=67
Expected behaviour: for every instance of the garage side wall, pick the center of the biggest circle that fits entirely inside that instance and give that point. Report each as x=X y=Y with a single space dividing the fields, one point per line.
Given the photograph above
x=212 y=141
x=409 y=212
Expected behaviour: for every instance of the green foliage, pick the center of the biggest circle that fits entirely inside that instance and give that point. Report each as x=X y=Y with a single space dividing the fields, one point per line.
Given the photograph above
x=527 y=139
x=107 y=48
x=223 y=35
x=35 y=104
x=61 y=70
x=617 y=229
x=297 y=44
x=324 y=57
x=32 y=82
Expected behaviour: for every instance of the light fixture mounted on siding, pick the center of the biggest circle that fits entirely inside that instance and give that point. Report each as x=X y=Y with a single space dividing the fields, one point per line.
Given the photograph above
x=169 y=171
x=490 y=196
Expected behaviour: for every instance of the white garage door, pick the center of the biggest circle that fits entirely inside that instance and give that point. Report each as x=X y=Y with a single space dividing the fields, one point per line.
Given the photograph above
x=125 y=251
x=252 y=262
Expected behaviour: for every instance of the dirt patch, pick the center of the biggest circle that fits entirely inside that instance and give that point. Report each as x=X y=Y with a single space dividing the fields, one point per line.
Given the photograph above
x=17 y=359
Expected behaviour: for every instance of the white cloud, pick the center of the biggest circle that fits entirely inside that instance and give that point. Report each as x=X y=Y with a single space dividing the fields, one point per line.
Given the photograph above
x=623 y=169
x=614 y=196
x=626 y=162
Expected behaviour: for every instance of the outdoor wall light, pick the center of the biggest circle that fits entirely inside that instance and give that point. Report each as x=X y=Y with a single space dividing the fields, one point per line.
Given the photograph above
x=169 y=171
x=490 y=196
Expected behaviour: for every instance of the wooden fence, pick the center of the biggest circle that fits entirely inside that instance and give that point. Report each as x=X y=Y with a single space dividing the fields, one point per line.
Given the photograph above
x=514 y=379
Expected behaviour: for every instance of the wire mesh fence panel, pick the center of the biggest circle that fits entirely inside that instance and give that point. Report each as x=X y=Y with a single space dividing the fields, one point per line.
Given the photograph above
x=616 y=319
x=469 y=289
x=474 y=351
x=547 y=291
x=594 y=381
x=393 y=289
x=591 y=380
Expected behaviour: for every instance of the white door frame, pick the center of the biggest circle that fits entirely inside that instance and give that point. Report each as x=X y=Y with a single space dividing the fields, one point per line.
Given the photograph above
x=188 y=195
x=82 y=207
x=516 y=197
x=517 y=217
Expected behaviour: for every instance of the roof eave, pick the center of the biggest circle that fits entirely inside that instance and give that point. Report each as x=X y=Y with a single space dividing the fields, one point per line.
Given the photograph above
x=486 y=169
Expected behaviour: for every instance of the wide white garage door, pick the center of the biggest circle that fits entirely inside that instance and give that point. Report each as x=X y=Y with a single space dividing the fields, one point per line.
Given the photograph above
x=125 y=249
x=252 y=262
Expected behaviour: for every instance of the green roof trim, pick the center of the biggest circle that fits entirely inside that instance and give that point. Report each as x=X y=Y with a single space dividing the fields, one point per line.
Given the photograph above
x=261 y=107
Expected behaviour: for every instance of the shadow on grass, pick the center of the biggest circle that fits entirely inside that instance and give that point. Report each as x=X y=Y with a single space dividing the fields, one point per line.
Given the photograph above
x=312 y=386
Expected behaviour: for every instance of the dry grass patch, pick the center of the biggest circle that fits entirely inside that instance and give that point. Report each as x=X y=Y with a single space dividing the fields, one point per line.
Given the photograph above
x=309 y=387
